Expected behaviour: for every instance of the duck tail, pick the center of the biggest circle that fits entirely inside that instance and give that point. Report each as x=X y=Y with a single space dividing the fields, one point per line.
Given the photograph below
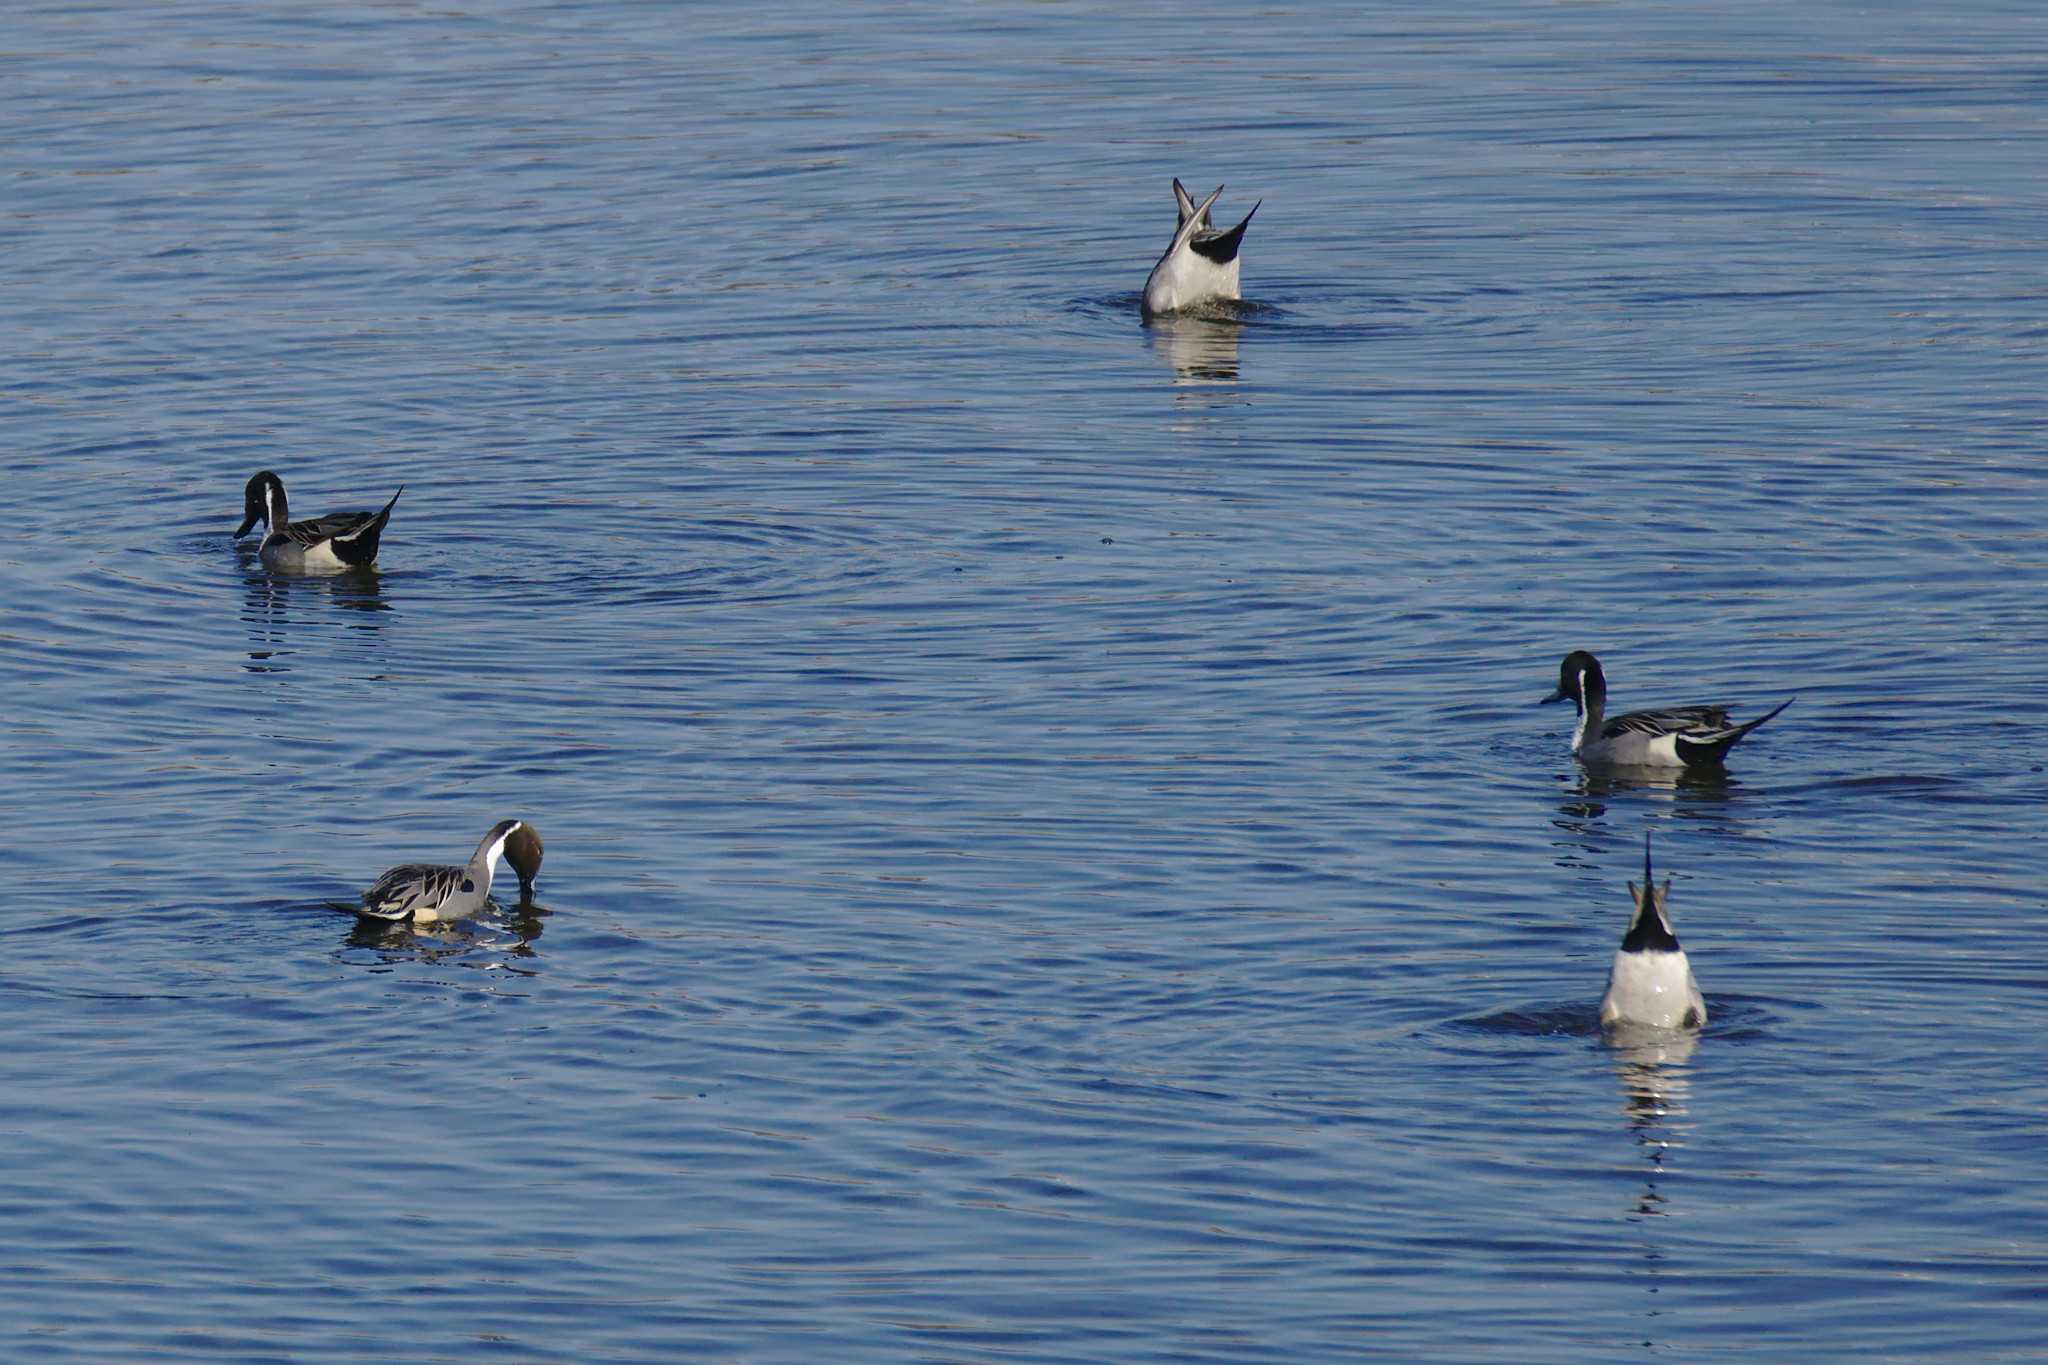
x=1221 y=247
x=357 y=546
x=1192 y=223
x=1649 y=929
x=1712 y=748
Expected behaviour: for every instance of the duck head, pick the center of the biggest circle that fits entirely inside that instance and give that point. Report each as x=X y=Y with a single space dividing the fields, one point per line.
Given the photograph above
x=523 y=851
x=1579 y=678
x=263 y=500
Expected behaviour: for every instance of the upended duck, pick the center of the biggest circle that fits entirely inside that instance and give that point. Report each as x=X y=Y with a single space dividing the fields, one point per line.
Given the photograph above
x=430 y=893
x=1200 y=264
x=1650 y=984
x=334 y=543
x=1674 y=737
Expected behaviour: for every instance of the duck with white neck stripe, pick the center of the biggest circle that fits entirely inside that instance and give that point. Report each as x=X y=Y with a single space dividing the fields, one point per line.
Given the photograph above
x=1675 y=737
x=335 y=543
x=431 y=893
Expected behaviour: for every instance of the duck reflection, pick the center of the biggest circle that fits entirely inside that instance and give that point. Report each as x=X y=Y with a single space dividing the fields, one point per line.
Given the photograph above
x=510 y=934
x=1655 y=1080
x=1707 y=794
x=1201 y=349
x=1655 y=1084
x=269 y=599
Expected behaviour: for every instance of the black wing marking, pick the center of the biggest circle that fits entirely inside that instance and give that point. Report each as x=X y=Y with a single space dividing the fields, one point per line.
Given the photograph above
x=1221 y=247
x=404 y=891
x=1711 y=746
x=1671 y=720
x=311 y=533
x=1650 y=934
x=354 y=535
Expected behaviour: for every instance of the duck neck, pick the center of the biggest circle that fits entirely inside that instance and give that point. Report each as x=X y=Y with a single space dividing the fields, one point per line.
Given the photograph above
x=275 y=510
x=484 y=860
x=480 y=873
x=1592 y=710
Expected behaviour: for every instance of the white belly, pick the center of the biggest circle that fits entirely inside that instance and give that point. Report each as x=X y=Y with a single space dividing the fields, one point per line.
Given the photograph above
x=1633 y=750
x=1185 y=279
x=288 y=554
x=1652 y=989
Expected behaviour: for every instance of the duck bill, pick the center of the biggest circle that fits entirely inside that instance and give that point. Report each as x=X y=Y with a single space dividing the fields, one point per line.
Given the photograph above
x=1559 y=695
x=243 y=529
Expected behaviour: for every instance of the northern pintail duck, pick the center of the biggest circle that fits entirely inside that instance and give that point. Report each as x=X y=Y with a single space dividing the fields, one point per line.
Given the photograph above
x=1650 y=984
x=1200 y=265
x=331 y=544
x=431 y=892
x=1669 y=738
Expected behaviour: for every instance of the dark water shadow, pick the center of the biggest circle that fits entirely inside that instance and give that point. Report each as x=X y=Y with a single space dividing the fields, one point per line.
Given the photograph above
x=1913 y=786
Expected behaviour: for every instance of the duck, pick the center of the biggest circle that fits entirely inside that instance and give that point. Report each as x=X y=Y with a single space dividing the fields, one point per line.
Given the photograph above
x=1200 y=264
x=334 y=543
x=1650 y=984
x=1679 y=736
x=432 y=893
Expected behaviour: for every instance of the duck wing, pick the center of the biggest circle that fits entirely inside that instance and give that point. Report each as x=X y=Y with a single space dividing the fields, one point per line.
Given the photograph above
x=313 y=530
x=336 y=525
x=403 y=891
x=353 y=535
x=1672 y=720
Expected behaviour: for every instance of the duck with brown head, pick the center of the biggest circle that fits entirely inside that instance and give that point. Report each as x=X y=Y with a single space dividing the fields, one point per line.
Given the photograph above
x=428 y=893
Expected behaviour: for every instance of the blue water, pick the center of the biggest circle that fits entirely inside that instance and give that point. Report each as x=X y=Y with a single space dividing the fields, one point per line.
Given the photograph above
x=1052 y=853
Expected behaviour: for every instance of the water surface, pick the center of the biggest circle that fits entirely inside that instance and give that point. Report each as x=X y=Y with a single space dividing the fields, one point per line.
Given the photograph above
x=1051 y=851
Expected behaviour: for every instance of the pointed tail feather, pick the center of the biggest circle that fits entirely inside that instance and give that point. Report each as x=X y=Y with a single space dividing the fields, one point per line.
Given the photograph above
x=1712 y=748
x=1190 y=224
x=1649 y=930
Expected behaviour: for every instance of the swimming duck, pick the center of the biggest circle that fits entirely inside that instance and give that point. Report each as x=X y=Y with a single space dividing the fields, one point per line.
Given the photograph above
x=1650 y=984
x=330 y=544
x=432 y=892
x=1200 y=265
x=1669 y=738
